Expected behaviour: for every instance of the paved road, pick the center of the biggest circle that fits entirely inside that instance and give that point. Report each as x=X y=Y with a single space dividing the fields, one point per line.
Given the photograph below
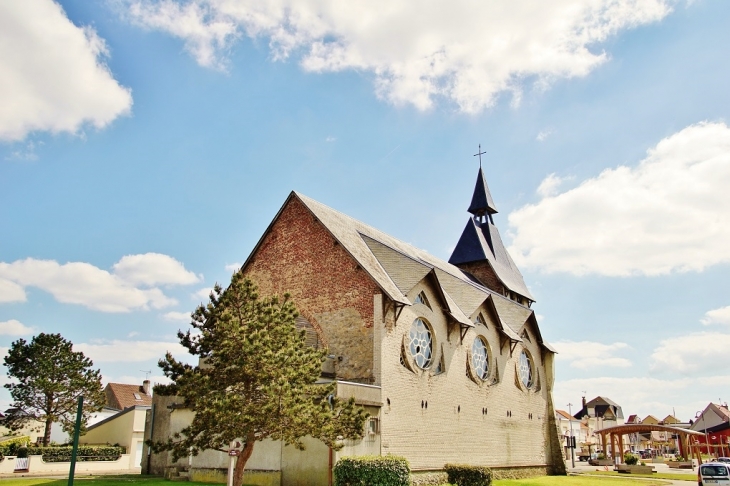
x=584 y=468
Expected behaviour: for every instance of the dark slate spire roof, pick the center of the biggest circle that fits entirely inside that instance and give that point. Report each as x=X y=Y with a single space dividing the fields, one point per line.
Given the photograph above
x=480 y=241
x=481 y=201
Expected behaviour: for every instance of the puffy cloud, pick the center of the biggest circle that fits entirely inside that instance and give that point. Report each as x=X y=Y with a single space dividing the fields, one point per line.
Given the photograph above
x=202 y=294
x=667 y=214
x=692 y=353
x=233 y=267
x=464 y=51
x=15 y=328
x=587 y=354
x=550 y=185
x=85 y=284
x=177 y=316
x=128 y=351
x=717 y=316
x=11 y=292
x=52 y=74
x=153 y=269
x=642 y=394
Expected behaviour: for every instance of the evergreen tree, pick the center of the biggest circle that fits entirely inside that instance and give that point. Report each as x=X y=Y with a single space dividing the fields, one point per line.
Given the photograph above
x=255 y=379
x=48 y=377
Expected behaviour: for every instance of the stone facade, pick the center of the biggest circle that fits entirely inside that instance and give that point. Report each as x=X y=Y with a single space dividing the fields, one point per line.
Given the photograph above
x=359 y=289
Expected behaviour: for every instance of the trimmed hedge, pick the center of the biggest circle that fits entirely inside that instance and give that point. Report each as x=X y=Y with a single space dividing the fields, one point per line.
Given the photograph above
x=465 y=475
x=84 y=453
x=372 y=471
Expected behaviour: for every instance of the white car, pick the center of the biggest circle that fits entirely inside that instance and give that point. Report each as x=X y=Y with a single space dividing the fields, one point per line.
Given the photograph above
x=713 y=473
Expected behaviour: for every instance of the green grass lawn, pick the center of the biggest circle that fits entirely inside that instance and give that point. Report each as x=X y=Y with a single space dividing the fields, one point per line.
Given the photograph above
x=577 y=481
x=674 y=476
x=156 y=481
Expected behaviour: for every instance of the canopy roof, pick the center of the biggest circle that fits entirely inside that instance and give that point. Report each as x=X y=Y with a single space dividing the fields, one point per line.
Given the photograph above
x=640 y=428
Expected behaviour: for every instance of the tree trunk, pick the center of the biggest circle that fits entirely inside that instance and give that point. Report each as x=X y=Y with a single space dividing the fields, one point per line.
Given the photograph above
x=243 y=459
x=47 y=433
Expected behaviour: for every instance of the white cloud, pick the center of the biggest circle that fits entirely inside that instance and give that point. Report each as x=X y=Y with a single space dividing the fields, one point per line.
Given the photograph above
x=669 y=213
x=717 y=316
x=177 y=316
x=52 y=74
x=464 y=51
x=233 y=267
x=587 y=354
x=550 y=185
x=692 y=353
x=129 y=287
x=116 y=351
x=330 y=139
x=15 y=328
x=202 y=294
x=153 y=269
x=643 y=395
x=543 y=135
x=11 y=292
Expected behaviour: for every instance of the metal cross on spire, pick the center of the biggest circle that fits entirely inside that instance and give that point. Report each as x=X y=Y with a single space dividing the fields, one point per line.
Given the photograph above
x=480 y=155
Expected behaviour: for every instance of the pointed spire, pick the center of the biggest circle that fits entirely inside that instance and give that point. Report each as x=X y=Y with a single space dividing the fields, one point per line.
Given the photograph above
x=481 y=201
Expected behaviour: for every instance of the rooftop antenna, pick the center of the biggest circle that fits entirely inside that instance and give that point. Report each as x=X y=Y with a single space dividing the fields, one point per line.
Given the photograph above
x=480 y=153
x=146 y=374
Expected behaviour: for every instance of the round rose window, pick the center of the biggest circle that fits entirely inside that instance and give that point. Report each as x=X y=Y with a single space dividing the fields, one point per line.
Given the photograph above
x=526 y=369
x=421 y=343
x=480 y=358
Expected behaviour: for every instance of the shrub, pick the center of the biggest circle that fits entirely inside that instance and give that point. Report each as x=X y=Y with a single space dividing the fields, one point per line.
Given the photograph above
x=465 y=475
x=84 y=453
x=601 y=456
x=630 y=459
x=372 y=471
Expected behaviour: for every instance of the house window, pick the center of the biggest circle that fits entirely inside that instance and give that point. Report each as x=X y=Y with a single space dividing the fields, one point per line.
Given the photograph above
x=421 y=299
x=480 y=320
x=421 y=343
x=526 y=369
x=137 y=397
x=480 y=358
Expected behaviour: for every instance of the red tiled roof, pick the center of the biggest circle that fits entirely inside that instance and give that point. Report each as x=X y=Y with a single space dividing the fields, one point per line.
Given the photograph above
x=566 y=415
x=121 y=396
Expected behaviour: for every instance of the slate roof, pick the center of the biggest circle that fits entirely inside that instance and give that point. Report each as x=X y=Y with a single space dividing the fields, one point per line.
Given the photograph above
x=601 y=405
x=396 y=267
x=481 y=200
x=122 y=396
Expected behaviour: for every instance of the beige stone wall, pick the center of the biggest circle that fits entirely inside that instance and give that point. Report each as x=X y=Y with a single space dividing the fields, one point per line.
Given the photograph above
x=433 y=420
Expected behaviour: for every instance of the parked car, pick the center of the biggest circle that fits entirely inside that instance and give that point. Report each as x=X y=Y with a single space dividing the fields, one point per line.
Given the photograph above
x=713 y=473
x=724 y=459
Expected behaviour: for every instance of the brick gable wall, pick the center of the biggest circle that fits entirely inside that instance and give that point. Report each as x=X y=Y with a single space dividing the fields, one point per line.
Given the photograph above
x=299 y=256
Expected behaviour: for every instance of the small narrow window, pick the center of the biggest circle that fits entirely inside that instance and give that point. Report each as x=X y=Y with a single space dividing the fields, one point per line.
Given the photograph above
x=480 y=320
x=526 y=336
x=421 y=299
x=137 y=397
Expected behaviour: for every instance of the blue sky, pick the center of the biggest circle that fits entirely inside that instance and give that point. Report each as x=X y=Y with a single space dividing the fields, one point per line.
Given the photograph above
x=145 y=146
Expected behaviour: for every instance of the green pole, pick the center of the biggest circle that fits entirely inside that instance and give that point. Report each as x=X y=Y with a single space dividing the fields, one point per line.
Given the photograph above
x=77 y=430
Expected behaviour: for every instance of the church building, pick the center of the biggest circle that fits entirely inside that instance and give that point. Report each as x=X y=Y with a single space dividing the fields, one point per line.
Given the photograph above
x=447 y=357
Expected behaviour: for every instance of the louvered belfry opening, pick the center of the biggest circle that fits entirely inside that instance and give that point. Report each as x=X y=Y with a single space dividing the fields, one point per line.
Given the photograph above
x=311 y=336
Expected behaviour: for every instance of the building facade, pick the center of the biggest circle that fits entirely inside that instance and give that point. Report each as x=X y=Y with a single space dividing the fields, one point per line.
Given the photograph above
x=447 y=357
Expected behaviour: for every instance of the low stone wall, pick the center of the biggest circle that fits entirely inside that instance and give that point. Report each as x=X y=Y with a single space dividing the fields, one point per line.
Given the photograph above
x=36 y=465
x=216 y=475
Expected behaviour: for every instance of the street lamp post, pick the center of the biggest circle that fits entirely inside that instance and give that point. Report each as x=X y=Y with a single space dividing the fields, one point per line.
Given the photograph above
x=572 y=437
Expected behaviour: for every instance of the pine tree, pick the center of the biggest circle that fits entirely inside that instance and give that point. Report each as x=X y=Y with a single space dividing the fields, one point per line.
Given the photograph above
x=255 y=379
x=47 y=379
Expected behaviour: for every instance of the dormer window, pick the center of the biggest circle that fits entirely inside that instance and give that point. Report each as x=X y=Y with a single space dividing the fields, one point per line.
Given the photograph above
x=421 y=299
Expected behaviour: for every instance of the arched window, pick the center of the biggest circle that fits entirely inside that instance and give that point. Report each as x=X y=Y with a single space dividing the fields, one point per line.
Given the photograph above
x=480 y=358
x=526 y=369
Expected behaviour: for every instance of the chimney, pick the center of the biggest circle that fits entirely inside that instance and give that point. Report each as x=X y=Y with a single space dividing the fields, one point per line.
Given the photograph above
x=146 y=387
x=584 y=402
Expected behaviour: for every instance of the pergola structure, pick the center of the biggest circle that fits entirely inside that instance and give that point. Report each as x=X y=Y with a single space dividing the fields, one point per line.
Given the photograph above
x=616 y=437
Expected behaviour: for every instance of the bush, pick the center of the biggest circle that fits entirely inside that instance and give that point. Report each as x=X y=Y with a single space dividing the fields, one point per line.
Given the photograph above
x=630 y=459
x=84 y=453
x=465 y=475
x=372 y=471
x=601 y=456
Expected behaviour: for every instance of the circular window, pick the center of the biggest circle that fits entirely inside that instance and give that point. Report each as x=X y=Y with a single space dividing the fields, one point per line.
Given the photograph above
x=421 y=343
x=526 y=369
x=480 y=358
